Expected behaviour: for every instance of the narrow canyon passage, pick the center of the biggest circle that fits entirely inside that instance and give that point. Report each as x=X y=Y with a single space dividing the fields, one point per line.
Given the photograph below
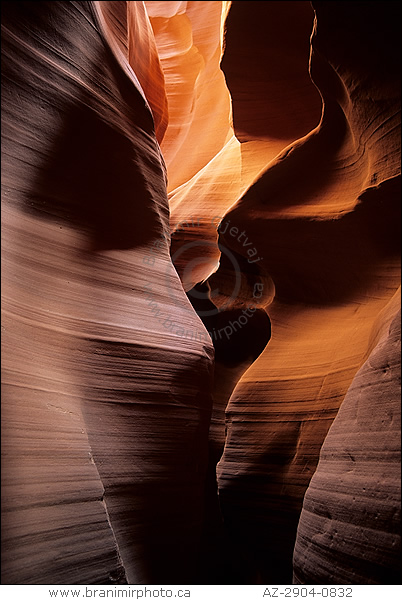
x=200 y=293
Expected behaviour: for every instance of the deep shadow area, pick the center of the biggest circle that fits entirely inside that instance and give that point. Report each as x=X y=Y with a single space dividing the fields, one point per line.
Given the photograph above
x=238 y=336
x=238 y=341
x=77 y=187
x=94 y=173
x=266 y=47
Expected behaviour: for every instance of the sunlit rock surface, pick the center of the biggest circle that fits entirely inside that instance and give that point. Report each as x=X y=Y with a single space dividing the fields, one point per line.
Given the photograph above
x=162 y=159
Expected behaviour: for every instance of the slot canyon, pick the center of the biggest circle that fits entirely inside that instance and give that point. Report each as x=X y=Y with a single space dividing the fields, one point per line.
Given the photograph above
x=201 y=292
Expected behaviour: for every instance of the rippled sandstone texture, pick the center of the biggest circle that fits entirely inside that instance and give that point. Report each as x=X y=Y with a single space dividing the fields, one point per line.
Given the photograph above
x=281 y=171
x=325 y=218
x=105 y=410
x=349 y=528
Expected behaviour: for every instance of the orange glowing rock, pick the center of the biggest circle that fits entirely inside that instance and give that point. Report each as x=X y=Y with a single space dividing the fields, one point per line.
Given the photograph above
x=231 y=160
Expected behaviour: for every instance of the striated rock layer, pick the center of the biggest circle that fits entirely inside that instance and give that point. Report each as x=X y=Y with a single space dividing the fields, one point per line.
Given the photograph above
x=324 y=216
x=231 y=160
x=349 y=528
x=106 y=404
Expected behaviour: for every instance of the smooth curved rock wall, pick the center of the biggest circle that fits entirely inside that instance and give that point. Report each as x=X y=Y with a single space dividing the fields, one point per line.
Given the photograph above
x=230 y=159
x=105 y=409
